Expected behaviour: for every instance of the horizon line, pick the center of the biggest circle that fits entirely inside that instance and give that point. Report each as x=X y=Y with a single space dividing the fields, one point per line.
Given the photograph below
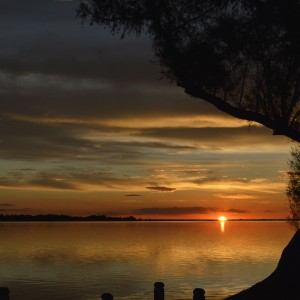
x=63 y=217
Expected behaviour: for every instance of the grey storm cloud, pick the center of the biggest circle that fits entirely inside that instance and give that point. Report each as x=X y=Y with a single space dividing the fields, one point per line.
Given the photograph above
x=8 y=181
x=159 y=188
x=53 y=42
x=53 y=183
x=59 y=77
x=215 y=136
x=175 y=210
x=73 y=178
x=93 y=99
x=65 y=178
x=52 y=67
x=21 y=139
x=39 y=180
x=61 y=62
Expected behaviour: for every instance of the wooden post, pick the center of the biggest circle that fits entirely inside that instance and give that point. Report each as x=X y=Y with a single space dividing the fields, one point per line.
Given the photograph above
x=159 y=293
x=4 y=293
x=199 y=294
x=107 y=296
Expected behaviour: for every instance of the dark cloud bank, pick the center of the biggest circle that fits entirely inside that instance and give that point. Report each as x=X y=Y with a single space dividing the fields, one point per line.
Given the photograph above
x=180 y=210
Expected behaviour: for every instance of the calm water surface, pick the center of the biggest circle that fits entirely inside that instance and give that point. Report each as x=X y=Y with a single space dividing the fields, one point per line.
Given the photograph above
x=80 y=261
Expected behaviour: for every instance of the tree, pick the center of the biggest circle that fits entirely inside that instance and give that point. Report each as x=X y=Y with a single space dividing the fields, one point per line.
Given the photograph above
x=293 y=188
x=243 y=56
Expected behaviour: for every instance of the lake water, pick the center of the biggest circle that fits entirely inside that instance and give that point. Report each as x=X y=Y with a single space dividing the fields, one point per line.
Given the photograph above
x=80 y=261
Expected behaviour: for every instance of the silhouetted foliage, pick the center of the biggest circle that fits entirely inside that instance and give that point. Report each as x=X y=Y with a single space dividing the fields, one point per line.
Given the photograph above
x=243 y=56
x=293 y=188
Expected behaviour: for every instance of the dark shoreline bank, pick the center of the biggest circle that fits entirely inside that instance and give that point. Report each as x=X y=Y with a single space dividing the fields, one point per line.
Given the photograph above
x=101 y=218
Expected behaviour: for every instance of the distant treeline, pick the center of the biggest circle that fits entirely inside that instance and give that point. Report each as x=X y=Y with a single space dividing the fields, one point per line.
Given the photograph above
x=49 y=217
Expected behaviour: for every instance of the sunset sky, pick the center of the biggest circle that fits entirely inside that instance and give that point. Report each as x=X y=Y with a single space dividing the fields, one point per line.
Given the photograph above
x=88 y=126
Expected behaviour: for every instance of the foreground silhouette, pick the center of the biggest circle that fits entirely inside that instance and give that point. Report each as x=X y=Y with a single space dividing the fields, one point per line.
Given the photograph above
x=283 y=283
x=293 y=188
x=241 y=56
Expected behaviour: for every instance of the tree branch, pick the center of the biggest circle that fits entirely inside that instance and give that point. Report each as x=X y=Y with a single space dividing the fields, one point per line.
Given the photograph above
x=278 y=127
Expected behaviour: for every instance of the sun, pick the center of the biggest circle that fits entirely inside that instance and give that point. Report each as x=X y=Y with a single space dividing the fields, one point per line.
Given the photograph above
x=222 y=218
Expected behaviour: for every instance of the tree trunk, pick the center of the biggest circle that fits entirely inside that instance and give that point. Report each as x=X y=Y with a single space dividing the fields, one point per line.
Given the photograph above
x=283 y=283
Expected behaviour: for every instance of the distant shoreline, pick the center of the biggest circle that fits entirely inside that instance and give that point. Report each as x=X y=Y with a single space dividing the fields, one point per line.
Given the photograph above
x=104 y=218
x=61 y=218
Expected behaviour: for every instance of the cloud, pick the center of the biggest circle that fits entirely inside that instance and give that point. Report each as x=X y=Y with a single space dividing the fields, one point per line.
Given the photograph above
x=232 y=210
x=217 y=137
x=208 y=180
x=4 y=210
x=158 y=188
x=236 y=196
x=192 y=170
x=52 y=182
x=24 y=140
x=175 y=210
x=76 y=179
x=6 y=204
x=9 y=182
x=76 y=96
x=39 y=139
x=39 y=180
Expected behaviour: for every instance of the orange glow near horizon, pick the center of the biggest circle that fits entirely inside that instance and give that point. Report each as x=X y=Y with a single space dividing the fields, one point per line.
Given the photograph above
x=222 y=220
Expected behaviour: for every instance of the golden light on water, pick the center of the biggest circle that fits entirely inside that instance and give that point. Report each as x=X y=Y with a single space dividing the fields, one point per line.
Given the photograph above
x=222 y=220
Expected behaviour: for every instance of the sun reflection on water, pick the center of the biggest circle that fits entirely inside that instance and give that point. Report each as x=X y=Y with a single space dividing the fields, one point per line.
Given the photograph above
x=222 y=226
x=222 y=220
